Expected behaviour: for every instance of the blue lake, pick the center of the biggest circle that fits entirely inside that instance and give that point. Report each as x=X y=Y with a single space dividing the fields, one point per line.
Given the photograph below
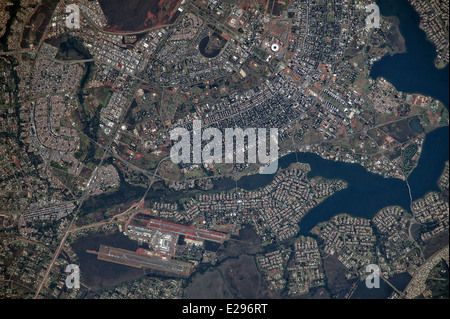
x=413 y=71
x=367 y=193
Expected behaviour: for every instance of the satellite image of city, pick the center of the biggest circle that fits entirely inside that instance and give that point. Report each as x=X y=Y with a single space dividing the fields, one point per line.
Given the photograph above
x=205 y=151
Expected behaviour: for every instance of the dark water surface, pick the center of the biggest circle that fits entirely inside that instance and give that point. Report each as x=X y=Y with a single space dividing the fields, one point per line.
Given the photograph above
x=98 y=274
x=413 y=71
x=399 y=281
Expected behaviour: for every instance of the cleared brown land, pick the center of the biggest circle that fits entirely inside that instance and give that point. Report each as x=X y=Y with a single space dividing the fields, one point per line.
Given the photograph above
x=138 y=15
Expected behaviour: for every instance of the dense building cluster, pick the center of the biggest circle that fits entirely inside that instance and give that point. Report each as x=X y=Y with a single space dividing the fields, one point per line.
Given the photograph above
x=434 y=21
x=432 y=210
x=351 y=239
x=274 y=210
x=87 y=111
